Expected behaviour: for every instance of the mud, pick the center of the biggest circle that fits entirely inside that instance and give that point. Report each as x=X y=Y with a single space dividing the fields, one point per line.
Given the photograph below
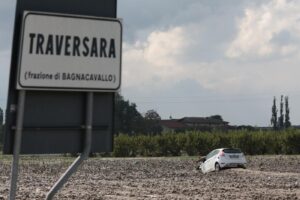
x=266 y=177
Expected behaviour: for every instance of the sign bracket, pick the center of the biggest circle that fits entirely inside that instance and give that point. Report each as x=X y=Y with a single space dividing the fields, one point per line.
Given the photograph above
x=84 y=155
x=72 y=169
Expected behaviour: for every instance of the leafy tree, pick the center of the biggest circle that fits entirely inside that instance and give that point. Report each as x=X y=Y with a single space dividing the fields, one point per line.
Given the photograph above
x=152 y=122
x=287 y=122
x=128 y=119
x=274 y=115
x=281 y=117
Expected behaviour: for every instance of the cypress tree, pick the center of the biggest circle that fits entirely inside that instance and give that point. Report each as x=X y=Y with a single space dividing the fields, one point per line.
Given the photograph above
x=281 y=117
x=274 y=115
x=287 y=122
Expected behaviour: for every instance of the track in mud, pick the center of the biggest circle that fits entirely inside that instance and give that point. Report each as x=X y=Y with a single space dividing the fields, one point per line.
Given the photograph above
x=266 y=177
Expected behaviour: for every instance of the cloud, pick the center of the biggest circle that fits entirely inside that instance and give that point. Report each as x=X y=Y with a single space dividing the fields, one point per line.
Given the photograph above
x=162 y=48
x=261 y=30
x=158 y=63
x=199 y=51
x=154 y=61
x=185 y=44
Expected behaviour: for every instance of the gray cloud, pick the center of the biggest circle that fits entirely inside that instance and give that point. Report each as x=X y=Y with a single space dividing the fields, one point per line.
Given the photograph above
x=211 y=23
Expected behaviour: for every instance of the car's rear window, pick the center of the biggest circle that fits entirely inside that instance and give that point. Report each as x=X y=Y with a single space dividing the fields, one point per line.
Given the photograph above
x=232 y=151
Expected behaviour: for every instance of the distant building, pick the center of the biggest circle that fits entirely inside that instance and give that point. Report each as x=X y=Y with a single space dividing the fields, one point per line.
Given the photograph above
x=202 y=121
x=193 y=123
x=172 y=125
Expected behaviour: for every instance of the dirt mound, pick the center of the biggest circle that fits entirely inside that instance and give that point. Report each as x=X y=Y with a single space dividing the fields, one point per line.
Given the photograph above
x=266 y=177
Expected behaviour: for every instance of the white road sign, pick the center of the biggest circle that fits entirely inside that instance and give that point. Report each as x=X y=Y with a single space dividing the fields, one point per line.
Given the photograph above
x=66 y=52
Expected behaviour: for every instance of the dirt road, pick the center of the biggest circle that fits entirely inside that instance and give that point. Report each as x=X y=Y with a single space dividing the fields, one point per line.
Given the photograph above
x=266 y=177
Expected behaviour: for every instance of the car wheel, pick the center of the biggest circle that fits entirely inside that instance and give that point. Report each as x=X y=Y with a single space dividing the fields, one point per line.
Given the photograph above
x=217 y=167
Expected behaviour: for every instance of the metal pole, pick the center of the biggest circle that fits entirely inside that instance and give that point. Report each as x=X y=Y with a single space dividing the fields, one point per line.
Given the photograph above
x=17 y=145
x=84 y=155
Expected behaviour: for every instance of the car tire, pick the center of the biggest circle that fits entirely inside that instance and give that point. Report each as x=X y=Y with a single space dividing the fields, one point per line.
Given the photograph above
x=217 y=167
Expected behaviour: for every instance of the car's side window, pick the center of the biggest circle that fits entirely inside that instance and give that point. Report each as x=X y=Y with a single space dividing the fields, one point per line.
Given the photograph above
x=216 y=152
x=210 y=155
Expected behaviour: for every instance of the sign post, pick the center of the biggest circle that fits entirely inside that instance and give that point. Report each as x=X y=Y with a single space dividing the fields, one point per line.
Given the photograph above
x=17 y=146
x=65 y=70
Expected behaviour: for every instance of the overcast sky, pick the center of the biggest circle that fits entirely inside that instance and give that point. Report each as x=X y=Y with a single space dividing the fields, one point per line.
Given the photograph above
x=201 y=57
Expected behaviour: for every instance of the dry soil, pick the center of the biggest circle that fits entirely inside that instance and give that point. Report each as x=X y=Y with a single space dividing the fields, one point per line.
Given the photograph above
x=266 y=177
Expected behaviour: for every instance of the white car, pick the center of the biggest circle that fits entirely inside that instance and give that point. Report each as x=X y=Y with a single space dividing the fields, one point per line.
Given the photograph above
x=222 y=158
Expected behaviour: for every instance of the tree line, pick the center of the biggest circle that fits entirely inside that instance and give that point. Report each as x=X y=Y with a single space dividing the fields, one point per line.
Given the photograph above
x=129 y=121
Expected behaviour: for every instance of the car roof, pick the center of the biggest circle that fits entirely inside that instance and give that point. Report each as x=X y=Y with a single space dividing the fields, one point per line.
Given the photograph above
x=226 y=148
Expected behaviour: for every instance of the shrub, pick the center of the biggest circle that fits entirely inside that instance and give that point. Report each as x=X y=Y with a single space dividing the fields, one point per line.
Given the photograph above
x=195 y=143
x=190 y=146
x=124 y=146
x=291 y=142
x=147 y=145
x=169 y=144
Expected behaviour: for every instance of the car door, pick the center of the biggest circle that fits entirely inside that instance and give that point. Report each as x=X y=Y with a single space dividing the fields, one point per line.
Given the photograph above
x=204 y=166
x=212 y=160
x=208 y=162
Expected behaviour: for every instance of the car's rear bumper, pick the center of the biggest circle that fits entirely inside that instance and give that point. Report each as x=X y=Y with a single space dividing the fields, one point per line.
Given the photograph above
x=232 y=163
x=228 y=165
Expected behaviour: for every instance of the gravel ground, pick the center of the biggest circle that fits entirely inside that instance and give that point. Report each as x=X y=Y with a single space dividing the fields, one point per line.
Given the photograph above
x=266 y=177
